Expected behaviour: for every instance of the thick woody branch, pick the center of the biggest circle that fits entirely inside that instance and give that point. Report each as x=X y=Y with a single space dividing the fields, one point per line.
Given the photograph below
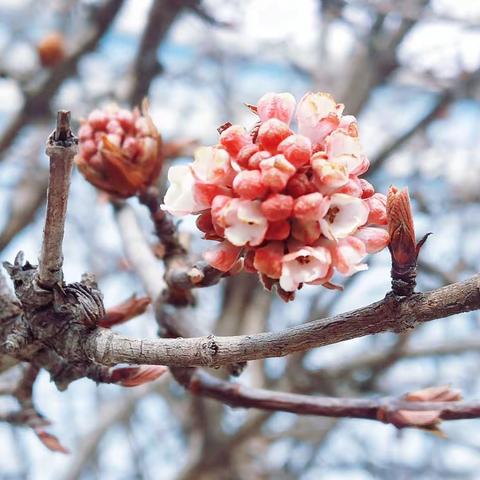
x=61 y=148
x=390 y=314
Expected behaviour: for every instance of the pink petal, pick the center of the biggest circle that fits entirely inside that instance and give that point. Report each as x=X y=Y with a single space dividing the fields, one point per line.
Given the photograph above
x=223 y=256
x=375 y=239
x=276 y=105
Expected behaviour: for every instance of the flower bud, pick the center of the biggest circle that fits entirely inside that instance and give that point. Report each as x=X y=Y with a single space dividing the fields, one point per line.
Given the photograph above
x=278 y=230
x=276 y=172
x=277 y=207
x=120 y=151
x=378 y=209
x=375 y=239
x=297 y=149
x=234 y=139
x=271 y=133
x=51 y=49
x=268 y=259
x=403 y=246
x=223 y=256
x=310 y=207
x=276 y=105
x=248 y=184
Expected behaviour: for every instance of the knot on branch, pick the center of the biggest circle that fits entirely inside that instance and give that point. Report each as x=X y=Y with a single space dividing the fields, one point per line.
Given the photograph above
x=81 y=301
x=53 y=319
x=27 y=290
x=208 y=350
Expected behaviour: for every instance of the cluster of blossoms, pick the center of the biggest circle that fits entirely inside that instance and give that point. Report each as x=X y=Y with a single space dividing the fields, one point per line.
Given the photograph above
x=290 y=206
x=120 y=150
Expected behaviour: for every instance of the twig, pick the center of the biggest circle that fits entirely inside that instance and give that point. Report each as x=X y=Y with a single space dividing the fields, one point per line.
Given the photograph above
x=389 y=314
x=165 y=227
x=237 y=395
x=160 y=18
x=61 y=148
x=443 y=100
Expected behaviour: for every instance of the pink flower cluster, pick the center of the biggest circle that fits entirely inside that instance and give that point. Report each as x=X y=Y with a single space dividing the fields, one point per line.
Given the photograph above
x=288 y=205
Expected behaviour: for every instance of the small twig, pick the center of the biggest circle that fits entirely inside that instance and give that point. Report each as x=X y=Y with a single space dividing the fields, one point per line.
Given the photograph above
x=61 y=148
x=165 y=227
x=138 y=251
x=384 y=409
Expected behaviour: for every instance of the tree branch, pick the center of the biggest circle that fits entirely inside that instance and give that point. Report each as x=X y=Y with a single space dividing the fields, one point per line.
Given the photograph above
x=61 y=148
x=383 y=409
x=160 y=18
x=389 y=314
x=443 y=100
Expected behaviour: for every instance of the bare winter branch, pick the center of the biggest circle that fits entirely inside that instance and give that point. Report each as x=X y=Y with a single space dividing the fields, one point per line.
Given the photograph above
x=389 y=314
x=61 y=148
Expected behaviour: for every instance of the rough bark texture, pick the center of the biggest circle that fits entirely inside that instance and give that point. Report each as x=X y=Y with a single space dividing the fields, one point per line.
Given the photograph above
x=391 y=314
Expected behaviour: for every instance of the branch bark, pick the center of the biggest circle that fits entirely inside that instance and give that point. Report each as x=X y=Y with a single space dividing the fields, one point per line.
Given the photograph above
x=383 y=409
x=389 y=314
x=61 y=148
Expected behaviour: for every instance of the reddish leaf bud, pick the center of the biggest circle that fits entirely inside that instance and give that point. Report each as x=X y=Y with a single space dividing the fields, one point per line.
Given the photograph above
x=130 y=308
x=403 y=246
x=50 y=441
x=424 y=419
x=134 y=376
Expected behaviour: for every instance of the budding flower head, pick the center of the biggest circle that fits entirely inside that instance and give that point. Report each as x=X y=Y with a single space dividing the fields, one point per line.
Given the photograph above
x=120 y=151
x=290 y=203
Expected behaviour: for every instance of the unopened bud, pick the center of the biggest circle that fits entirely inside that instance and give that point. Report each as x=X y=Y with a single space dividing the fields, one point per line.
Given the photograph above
x=403 y=245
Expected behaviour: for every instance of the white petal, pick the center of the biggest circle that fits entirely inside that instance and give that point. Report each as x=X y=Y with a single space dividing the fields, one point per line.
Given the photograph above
x=211 y=165
x=345 y=149
x=352 y=214
x=179 y=199
x=249 y=226
x=304 y=265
